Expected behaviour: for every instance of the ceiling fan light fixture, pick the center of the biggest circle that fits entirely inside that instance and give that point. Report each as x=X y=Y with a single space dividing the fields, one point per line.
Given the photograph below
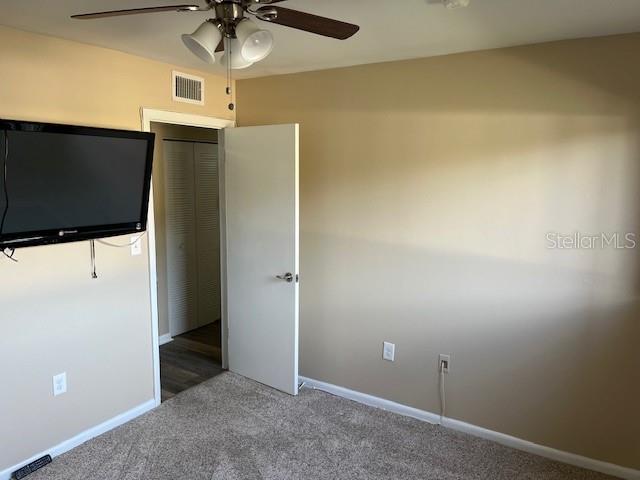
x=203 y=41
x=238 y=62
x=255 y=44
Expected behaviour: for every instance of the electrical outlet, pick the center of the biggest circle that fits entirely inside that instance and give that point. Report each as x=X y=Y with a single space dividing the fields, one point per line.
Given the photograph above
x=59 y=384
x=136 y=245
x=389 y=351
x=446 y=359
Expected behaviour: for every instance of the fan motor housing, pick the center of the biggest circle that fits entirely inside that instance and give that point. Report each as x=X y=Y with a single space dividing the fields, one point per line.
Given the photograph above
x=244 y=4
x=229 y=11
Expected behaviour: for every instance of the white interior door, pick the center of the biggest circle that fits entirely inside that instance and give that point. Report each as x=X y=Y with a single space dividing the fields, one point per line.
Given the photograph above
x=262 y=248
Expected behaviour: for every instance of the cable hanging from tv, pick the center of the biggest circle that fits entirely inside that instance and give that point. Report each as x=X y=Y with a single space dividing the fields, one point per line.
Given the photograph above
x=4 y=181
x=118 y=245
x=9 y=253
x=92 y=249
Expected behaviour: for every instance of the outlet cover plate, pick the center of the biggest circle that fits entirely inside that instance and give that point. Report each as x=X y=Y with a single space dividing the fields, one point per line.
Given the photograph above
x=59 y=384
x=389 y=351
x=444 y=358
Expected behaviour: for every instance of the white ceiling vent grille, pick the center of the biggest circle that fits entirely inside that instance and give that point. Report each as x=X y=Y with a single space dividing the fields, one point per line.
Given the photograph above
x=187 y=88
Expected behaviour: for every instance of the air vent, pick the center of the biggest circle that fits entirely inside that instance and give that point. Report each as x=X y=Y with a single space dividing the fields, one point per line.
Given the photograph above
x=187 y=88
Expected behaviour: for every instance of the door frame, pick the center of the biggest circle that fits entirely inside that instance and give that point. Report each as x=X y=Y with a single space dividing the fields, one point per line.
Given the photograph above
x=149 y=115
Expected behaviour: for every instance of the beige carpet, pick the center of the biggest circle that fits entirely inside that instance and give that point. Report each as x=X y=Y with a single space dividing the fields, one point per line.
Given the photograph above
x=232 y=428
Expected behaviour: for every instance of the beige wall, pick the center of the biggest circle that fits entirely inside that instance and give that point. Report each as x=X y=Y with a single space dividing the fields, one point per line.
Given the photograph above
x=427 y=189
x=53 y=317
x=165 y=131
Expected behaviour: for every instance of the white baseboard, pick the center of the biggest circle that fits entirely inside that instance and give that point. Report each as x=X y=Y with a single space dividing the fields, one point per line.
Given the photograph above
x=501 y=438
x=166 y=338
x=84 y=436
x=371 y=400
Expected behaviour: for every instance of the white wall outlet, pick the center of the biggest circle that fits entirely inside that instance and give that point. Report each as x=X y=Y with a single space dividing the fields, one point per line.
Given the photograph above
x=59 y=384
x=136 y=246
x=446 y=359
x=389 y=351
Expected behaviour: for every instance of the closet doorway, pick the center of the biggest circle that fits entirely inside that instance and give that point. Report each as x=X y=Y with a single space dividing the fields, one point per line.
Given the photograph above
x=186 y=204
x=192 y=234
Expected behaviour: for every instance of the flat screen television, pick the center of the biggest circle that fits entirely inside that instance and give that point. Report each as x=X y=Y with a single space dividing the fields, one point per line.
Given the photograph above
x=64 y=183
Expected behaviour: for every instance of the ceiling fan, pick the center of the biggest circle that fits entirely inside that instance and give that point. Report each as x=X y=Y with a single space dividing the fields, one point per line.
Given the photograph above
x=231 y=30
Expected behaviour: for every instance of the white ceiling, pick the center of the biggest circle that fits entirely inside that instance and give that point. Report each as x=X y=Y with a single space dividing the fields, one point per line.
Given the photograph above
x=390 y=29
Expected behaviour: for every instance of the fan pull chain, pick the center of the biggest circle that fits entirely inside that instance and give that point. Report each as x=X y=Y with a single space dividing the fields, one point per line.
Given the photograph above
x=92 y=249
x=229 y=76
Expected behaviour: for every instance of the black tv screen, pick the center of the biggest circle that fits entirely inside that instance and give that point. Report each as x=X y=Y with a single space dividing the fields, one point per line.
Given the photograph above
x=64 y=183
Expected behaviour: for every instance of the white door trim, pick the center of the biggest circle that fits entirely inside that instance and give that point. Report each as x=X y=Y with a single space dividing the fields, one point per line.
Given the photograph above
x=149 y=115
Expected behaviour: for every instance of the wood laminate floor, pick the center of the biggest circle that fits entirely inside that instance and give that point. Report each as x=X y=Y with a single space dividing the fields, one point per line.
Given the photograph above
x=190 y=359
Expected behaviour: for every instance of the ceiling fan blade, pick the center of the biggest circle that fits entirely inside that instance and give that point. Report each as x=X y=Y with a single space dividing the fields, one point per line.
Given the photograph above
x=135 y=11
x=220 y=47
x=312 y=23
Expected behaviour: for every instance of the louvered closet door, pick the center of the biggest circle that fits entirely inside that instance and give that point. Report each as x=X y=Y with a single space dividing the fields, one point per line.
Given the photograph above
x=207 y=232
x=181 y=236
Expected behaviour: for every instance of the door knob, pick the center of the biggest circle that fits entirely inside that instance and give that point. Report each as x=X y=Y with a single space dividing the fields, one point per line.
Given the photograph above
x=287 y=277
